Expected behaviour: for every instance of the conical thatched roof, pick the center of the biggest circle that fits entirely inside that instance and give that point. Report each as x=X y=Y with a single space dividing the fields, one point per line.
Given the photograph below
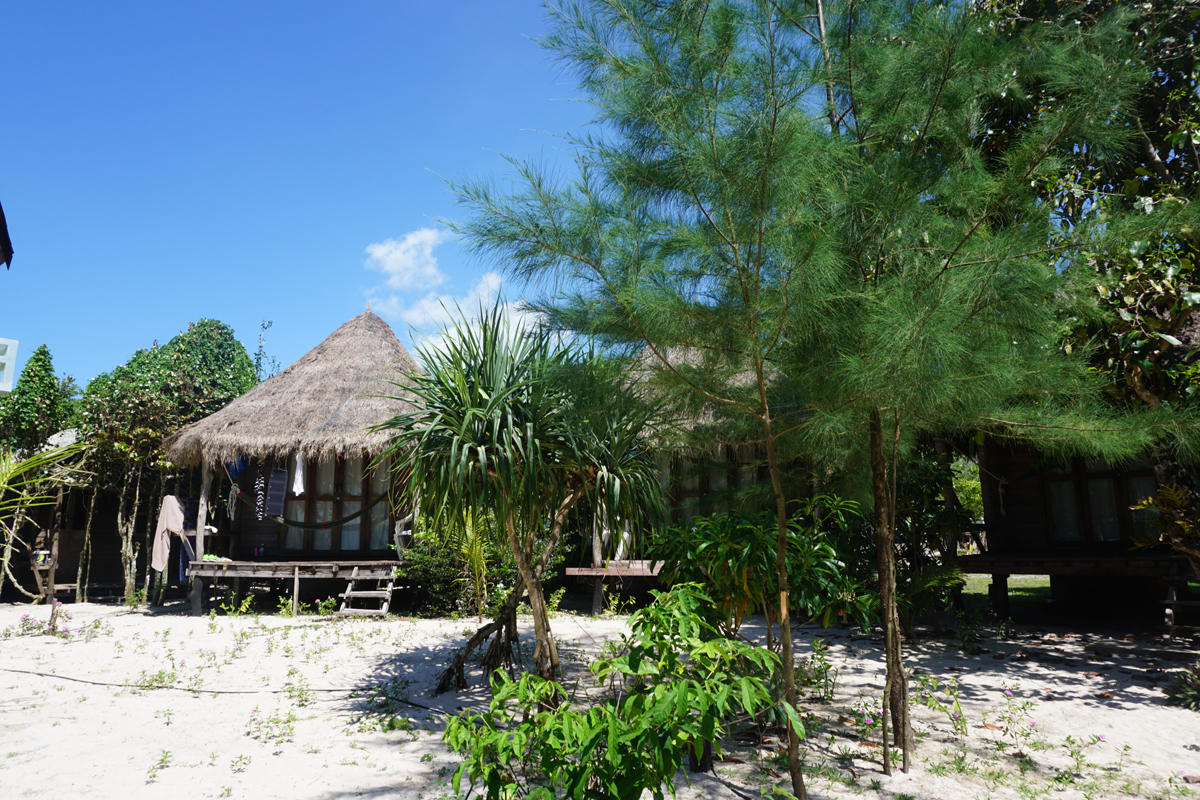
x=319 y=407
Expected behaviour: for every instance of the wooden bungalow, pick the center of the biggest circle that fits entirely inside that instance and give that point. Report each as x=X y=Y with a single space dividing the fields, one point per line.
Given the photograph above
x=1070 y=520
x=306 y=432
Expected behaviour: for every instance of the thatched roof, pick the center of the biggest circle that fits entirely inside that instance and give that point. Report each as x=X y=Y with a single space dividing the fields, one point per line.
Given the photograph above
x=319 y=407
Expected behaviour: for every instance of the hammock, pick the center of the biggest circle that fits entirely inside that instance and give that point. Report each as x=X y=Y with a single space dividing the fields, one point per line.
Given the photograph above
x=315 y=526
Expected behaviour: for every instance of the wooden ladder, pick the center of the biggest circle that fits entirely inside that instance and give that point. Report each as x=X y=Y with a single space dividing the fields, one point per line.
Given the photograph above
x=384 y=596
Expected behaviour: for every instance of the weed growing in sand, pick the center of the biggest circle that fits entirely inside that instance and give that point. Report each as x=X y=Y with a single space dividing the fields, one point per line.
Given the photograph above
x=326 y=607
x=135 y=599
x=232 y=609
x=275 y=727
x=166 y=714
x=164 y=761
x=868 y=715
x=1077 y=751
x=816 y=672
x=239 y=763
x=297 y=688
x=1013 y=720
x=147 y=681
x=226 y=791
x=926 y=694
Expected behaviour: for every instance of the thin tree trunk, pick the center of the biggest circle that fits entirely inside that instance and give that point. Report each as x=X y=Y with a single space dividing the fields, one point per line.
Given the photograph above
x=896 y=684
x=83 y=574
x=125 y=524
x=504 y=626
x=545 y=655
x=795 y=770
x=55 y=533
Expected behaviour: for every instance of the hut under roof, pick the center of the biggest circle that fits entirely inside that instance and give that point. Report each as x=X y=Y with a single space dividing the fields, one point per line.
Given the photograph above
x=311 y=422
x=319 y=408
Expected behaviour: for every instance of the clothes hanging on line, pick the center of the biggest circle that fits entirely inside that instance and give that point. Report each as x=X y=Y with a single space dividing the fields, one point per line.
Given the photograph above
x=298 y=480
x=170 y=520
x=260 y=495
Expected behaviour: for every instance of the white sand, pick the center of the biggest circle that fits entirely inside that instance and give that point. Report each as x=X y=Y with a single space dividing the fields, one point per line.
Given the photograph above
x=267 y=707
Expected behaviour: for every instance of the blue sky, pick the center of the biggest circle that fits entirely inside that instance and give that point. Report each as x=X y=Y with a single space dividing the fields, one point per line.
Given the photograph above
x=166 y=162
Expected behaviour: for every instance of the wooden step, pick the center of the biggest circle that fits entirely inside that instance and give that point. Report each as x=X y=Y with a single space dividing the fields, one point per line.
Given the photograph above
x=376 y=593
x=366 y=612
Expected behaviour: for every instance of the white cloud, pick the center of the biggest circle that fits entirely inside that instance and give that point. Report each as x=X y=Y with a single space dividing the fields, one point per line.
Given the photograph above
x=441 y=309
x=409 y=263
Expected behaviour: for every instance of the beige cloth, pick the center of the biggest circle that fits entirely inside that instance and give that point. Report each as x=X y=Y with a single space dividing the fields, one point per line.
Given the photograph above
x=170 y=520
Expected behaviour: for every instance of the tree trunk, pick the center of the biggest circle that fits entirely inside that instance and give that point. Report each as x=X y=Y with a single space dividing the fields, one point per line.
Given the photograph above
x=795 y=770
x=126 y=524
x=504 y=626
x=83 y=574
x=545 y=654
x=55 y=533
x=895 y=701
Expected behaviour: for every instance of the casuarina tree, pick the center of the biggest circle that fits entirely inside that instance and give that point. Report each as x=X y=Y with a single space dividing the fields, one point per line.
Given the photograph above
x=786 y=212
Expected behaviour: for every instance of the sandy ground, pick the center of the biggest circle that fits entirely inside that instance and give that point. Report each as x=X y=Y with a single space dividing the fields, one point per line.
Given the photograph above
x=134 y=704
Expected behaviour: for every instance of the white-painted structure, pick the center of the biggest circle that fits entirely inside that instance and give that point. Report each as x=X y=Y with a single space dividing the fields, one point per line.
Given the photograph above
x=8 y=364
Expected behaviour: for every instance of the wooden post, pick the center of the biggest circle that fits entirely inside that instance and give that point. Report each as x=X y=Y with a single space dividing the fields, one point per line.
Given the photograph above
x=55 y=532
x=295 y=590
x=201 y=521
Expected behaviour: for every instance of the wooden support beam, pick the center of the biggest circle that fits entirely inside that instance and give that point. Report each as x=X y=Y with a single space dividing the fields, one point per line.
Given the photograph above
x=295 y=591
x=197 y=595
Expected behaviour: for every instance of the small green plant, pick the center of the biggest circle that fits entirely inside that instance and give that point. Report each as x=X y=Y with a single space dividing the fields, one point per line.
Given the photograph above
x=166 y=714
x=239 y=763
x=298 y=689
x=164 y=761
x=1185 y=689
x=275 y=728
x=970 y=623
x=237 y=609
x=226 y=791
x=555 y=599
x=817 y=672
x=1013 y=719
x=926 y=694
x=147 y=681
x=867 y=714
x=326 y=607
x=135 y=599
x=1077 y=751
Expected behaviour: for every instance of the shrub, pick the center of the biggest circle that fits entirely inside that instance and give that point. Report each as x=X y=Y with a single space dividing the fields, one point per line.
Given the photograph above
x=1185 y=691
x=680 y=683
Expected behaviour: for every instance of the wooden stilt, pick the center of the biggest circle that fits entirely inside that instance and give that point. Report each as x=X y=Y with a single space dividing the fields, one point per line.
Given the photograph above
x=197 y=596
x=295 y=591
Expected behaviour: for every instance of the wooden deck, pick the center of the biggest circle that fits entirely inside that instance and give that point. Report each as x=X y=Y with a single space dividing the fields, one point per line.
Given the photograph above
x=236 y=571
x=619 y=569
x=291 y=569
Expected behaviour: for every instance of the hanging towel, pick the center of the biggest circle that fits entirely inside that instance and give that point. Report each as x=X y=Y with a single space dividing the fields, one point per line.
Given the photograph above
x=260 y=496
x=170 y=520
x=298 y=480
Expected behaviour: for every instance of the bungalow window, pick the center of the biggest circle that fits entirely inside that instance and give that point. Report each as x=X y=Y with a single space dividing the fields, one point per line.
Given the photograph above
x=1064 y=517
x=337 y=489
x=1088 y=501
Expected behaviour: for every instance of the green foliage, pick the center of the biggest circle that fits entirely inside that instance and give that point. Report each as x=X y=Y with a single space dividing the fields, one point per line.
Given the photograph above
x=920 y=592
x=678 y=683
x=734 y=559
x=968 y=488
x=1185 y=689
x=159 y=390
x=39 y=406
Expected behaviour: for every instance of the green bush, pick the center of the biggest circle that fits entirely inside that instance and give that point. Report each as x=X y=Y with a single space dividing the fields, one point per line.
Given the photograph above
x=445 y=587
x=680 y=683
x=1185 y=691
x=733 y=557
